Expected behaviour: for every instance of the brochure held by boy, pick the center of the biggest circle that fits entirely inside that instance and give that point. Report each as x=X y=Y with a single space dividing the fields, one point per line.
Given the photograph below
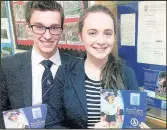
x=28 y=117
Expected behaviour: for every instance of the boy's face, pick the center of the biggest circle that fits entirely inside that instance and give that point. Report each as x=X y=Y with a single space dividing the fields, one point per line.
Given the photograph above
x=45 y=44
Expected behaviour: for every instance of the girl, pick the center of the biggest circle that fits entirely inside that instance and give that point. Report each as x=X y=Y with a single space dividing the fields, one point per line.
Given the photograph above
x=75 y=97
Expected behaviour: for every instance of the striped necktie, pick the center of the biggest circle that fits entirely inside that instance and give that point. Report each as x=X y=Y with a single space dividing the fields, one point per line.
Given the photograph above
x=47 y=79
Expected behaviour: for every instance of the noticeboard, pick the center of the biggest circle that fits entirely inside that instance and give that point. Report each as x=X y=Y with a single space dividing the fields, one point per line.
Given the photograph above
x=142 y=44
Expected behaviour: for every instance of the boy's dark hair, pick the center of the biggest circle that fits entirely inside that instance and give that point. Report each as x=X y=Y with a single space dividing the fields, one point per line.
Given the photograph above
x=43 y=6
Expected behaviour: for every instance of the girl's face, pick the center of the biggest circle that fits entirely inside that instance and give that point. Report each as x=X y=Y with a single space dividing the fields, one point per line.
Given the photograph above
x=98 y=35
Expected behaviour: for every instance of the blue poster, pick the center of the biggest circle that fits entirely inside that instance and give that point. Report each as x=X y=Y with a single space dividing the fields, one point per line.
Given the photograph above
x=150 y=77
x=155 y=83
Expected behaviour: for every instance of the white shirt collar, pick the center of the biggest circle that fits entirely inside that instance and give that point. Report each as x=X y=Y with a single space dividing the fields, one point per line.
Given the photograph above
x=37 y=58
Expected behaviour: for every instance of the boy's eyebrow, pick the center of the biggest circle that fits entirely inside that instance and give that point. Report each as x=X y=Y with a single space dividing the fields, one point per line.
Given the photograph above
x=38 y=23
x=92 y=29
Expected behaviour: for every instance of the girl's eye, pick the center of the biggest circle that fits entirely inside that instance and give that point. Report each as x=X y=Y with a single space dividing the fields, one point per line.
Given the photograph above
x=92 y=33
x=108 y=33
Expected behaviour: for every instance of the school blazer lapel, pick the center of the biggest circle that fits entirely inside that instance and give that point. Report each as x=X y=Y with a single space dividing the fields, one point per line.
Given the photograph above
x=26 y=71
x=78 y=80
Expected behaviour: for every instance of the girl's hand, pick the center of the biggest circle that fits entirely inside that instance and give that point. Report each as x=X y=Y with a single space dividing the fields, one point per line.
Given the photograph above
x=142 y=125
x=102 y=124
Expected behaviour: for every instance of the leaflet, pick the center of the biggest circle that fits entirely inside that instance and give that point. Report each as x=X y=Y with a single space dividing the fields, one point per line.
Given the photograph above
x=123 y=108
x=29 y=117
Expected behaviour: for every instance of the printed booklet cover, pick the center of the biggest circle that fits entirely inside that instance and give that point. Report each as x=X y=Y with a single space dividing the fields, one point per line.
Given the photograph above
x=123 y=108
x=29 y=117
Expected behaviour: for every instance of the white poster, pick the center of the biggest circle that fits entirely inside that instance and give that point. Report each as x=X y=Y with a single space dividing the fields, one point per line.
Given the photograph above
x=91 y=3
x=19 y=12
x=72 y=9
x=128 y=29
x=151 y=46
x=5 y=34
